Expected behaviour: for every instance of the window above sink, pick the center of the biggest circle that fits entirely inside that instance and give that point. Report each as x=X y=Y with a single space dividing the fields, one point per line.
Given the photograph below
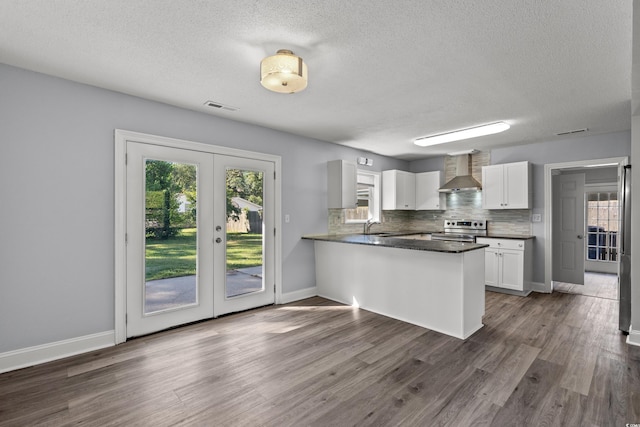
x=368 y=199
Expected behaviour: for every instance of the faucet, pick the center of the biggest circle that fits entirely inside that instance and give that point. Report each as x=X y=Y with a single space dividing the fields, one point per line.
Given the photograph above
x=368 y=224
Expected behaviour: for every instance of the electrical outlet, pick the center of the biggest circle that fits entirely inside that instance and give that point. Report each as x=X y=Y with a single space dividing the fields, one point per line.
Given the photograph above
x=536 y=218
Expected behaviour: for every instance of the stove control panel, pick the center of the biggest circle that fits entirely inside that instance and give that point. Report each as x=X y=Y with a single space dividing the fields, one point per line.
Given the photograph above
x=465 y=224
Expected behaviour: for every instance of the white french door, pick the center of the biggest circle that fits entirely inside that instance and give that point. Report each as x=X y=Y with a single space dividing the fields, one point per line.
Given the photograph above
x=169 y=277
x=238 y=287
x=181 y=264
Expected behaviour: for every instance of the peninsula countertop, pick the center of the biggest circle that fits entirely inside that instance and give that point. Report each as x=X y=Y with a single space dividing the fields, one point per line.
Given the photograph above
x=398 y=242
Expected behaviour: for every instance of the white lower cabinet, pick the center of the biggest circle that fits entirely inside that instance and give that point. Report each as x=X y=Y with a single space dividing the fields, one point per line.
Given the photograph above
x=507 y=263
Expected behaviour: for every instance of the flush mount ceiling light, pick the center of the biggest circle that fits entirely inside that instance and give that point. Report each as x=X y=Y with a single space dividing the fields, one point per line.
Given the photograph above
x=462 y=134
x=283 y=72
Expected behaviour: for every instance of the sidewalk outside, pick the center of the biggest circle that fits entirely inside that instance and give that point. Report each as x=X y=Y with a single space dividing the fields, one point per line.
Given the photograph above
x=168 y=293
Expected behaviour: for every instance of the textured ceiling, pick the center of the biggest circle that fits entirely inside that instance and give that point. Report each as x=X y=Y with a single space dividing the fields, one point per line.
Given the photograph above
x=381 y=73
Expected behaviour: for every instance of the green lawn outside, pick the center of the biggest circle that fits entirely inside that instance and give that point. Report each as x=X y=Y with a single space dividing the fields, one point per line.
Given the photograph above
x=176 y=256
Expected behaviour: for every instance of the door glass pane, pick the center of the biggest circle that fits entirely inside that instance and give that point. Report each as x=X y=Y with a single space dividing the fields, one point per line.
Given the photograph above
x=245 y=243
x=170 y=235
x=602 y=226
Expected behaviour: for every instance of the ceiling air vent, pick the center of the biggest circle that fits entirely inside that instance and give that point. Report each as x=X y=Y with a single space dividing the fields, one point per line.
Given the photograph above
x=220 y=106
x=570 y=132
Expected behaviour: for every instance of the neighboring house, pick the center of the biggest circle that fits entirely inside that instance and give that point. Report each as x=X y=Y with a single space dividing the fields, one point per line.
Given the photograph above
x=250 y=219
x=183 y=203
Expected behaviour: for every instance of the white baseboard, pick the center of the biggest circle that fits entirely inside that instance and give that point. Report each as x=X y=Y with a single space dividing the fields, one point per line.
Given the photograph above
x=634 y=337
x=35 y=355
x=539 y=287
x=298 y=295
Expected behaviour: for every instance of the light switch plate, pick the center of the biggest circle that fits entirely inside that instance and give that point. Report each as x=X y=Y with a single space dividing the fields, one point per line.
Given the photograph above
x=536 y=218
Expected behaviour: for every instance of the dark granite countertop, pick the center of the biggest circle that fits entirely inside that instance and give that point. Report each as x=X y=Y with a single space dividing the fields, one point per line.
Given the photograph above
x=509 y=236
x=398 y=242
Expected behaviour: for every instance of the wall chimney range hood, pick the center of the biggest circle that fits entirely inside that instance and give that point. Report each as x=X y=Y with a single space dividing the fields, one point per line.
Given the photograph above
x=463 y=180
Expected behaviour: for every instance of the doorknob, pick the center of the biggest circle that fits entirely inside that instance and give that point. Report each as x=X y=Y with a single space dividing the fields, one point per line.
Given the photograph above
x=218 y=240
x=579 y=236
x=218 y=228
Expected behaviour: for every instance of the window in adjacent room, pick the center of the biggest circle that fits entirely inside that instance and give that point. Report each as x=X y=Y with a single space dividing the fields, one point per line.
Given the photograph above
x=602 y=226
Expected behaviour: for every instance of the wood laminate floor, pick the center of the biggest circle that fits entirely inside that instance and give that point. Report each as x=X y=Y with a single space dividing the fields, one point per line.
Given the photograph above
x=601 y=285
x=548 y=359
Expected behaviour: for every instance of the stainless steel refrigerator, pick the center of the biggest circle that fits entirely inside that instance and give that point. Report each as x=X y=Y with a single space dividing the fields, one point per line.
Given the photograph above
x=624 y=277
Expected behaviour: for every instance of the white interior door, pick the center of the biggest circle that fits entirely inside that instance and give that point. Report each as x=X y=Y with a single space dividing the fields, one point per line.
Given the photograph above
x=568 y=228
x=169 y=250
x=244 y=224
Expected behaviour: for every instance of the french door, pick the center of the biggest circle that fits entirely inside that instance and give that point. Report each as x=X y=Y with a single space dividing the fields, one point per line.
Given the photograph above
x=243 y=262
x=182 y=265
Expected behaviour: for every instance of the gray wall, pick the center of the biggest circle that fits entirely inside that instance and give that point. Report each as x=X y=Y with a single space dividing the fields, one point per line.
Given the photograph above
x=595 y=176
x=427 y=165
x=57 y=192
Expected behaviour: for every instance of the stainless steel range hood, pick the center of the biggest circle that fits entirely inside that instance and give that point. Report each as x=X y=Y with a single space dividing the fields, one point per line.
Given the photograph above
x=463 y=180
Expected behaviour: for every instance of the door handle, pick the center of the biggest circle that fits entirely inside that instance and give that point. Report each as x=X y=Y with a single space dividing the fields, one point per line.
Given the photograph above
x=218 y=228
x=579 y=236
x=218 y=240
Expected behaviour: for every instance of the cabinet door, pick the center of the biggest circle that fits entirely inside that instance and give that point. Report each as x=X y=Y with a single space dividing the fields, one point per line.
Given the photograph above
x=512 y=269
x=342 y=184
x=427 y=194
x=398 y=190
x=406 y=190
x=516 y=185
x=491 y=267
x=492 y=187
x=389 y=194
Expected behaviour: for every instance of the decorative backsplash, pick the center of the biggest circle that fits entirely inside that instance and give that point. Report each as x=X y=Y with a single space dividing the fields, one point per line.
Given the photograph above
x=459 y=206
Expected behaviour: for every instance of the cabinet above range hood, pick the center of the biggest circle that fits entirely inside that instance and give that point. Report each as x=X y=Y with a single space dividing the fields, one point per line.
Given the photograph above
x=463 y=180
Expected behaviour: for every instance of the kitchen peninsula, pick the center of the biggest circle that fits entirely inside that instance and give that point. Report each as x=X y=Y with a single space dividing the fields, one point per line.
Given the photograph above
x=438 y=285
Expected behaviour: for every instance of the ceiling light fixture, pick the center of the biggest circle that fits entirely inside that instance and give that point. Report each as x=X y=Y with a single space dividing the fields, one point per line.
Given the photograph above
x=462 y=134
x=283 y=72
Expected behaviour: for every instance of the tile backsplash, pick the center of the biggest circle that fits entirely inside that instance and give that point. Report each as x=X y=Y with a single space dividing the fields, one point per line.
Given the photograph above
x=459 y=206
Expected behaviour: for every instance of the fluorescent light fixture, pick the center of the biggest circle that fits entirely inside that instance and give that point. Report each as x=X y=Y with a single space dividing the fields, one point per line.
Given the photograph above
x=462 y=134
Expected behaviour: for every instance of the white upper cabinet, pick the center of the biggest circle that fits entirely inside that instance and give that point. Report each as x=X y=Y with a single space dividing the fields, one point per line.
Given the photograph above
x=506 y=186
x=342 y=184
x=427 y=195
x=398 y=190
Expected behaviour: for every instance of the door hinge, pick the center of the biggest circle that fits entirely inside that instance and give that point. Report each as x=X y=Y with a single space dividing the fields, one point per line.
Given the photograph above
x=274 y=288
x=274 y=174
x=274 y=231
x=126 y=319
x=126 y=238
x=126 y=158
